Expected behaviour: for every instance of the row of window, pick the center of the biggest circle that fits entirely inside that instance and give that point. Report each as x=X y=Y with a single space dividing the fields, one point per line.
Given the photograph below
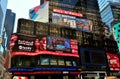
x=22 y=61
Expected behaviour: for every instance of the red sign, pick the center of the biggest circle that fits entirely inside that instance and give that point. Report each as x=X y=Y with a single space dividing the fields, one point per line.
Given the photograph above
x=31 y=46
x=68 y=12
x=113 y=61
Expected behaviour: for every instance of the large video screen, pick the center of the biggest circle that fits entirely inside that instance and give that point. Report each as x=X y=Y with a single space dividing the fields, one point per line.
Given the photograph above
x=84 y=24
x=64 y=20
x=58 y=44
x=113 y=61
x=91 y=57
x=22 y=43
x=98 y=58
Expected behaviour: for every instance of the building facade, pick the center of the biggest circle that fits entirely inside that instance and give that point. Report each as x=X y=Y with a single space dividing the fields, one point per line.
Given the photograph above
x=9 y=24
x=67 y=45
x=109 y=10
x=3 y=7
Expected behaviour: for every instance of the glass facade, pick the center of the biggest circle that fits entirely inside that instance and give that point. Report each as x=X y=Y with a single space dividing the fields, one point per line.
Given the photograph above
x=9 y=24
x=117 y=33
x=109 y=11
x=3 y=6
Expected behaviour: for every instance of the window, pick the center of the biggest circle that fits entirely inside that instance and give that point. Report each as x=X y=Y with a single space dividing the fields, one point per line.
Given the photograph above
x=74 y=63
x=44 y=61
x=68 y=63
x=53 y=61
x=61 y=62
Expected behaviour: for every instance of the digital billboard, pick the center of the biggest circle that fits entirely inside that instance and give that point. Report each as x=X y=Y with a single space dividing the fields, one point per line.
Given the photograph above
x=67 y=12
x=84 y=24
x=64 y=20
x=91 y=57
x=19 y=42
x=113 y=62
x=58 y=44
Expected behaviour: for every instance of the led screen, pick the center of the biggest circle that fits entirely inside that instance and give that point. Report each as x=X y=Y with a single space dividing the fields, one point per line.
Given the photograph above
x=98 y=58
x=64 y=20
x=58 y=44
x=19 y=42
x=84 y=24
x=113 y=61
x=91 y=57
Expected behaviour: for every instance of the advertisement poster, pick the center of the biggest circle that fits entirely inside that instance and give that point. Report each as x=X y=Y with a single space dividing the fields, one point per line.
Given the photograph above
x=113 y=61
x=22 y=43
x=40 y=13
x=64 y=20
x=31 y=45
x=84 y=24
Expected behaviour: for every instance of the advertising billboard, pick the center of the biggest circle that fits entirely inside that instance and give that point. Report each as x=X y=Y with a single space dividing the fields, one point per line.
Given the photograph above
x=67 y=12
x=40 y=13
x=19 y=42
x=113 y=62
x=62 y=45
x=64 y=20
x=91 y=57
x=31 y=45
x=58 y=44
x=84 y=24
x=72 y=22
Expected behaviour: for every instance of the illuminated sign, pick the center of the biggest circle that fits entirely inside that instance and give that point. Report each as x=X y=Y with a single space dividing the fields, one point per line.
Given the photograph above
x=22 y=43
x=113 y=62
x=44 y=72
x=67 y=12
x=64 y=20
x=40 y=69
x=31 y=46
x=93 y=58
x=20 y=77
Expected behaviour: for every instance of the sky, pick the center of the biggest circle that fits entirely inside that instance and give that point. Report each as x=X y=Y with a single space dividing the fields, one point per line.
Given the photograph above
x=21 y=8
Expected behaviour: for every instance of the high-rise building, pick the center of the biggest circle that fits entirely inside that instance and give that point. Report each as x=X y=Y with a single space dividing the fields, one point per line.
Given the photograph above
x=3 y=7
x=62 y=40
x=109 y=10
x=89 y=9
x=9 y=24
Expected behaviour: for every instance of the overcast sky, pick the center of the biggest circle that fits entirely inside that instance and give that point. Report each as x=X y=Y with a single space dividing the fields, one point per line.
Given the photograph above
x=21 y=8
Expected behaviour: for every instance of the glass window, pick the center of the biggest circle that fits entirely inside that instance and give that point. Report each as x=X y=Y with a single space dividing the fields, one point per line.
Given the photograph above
x=68 y=63
x=27 y=63
x=61 y=62
x=44 y=61
x=53 y=61
x=74 y=63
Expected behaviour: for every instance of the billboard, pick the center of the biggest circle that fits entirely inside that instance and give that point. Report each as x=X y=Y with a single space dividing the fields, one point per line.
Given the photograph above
x=58 y=44
x=84 y=24
x=113 y=62
x=67 y=12
x=64 y=20
x=91 y=57
x=72 y=22
x=19 y=42
x=31 y=45
x=40 y=13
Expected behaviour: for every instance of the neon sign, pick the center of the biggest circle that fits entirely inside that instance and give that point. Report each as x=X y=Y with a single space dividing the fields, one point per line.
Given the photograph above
x=40 y=69
x=68 y=12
